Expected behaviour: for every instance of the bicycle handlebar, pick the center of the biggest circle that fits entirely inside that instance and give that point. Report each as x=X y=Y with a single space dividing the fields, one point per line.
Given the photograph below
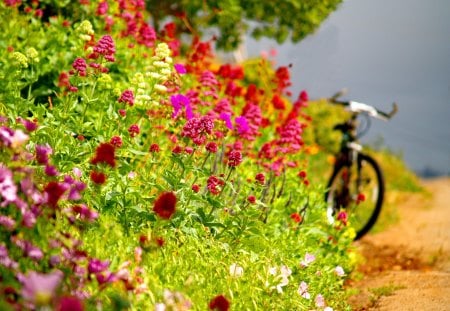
x=361 y=107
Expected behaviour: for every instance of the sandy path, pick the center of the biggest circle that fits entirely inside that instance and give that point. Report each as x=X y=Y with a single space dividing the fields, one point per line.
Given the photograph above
x=408 y=266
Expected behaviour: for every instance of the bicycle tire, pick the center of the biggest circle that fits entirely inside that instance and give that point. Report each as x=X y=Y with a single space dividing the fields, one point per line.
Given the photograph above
x=339 y=196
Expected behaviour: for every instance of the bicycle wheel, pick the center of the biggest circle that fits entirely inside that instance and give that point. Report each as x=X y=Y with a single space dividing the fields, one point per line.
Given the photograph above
x=358 y=189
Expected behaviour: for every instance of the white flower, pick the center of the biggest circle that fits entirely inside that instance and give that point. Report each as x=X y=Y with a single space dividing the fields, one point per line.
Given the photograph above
x=303 y=290
x=236 y=270
x=309 y=258
x=328 y=309
x=339 y=271
x=273 y=270
x=160 y=307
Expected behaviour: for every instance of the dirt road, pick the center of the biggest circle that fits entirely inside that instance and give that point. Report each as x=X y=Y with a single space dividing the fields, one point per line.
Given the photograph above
x=407 y=267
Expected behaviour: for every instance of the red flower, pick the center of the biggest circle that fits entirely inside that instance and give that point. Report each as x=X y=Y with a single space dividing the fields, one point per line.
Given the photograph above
x=98 y=177
x=278 y=102
x=211 y=147
x=164 y=205
x=296 y=217
x=154 y=148
x=302 y=174
x=260 y=178
x=219 y=303
x=54 y=192
x=251 y=199
x=70 y=303
x=105 y=154
x=361 y=198
x=195 y=188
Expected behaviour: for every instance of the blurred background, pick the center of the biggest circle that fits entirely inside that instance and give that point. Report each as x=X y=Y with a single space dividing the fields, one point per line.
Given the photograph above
x=383 y=51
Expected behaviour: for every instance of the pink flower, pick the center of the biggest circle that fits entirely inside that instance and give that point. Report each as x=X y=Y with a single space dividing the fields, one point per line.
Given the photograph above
x=343 y=217
x=105 y=47
x=319 y=301
x=102 y=8
x=8 y=189
x=127 y=97
x=309 y=258
x=303 y=290
x=40 y=288
x=42 y=153
x=79 y=64
x=133 y=130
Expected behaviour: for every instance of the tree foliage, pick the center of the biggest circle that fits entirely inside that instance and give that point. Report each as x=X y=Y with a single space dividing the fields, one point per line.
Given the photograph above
x=230 y=19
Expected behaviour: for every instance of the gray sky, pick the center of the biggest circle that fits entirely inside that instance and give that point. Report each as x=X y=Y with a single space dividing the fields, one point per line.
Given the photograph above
x=383 y=51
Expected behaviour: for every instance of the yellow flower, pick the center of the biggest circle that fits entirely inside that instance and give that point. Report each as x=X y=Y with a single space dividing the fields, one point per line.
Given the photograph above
x=21 y=59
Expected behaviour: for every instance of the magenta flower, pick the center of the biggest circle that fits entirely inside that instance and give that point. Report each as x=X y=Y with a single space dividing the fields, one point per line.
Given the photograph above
x=179 y=101
x=40 y=288
x=242 y=125
x=180 y=68
x=50 y=170
x=227 y=118
x=42 y=153
x=96 y=265
x=30 y=126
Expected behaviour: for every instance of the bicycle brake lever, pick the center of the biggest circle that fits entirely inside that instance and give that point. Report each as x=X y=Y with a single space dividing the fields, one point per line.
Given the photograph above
x=394 y=110
x=338 y=94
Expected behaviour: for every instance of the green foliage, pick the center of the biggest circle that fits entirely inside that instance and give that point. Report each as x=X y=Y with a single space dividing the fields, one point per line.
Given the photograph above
x=231 y=19
x=57 y=75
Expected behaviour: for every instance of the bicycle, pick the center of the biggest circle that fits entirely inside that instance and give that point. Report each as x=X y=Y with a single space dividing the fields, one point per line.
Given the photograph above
x=356 y=184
